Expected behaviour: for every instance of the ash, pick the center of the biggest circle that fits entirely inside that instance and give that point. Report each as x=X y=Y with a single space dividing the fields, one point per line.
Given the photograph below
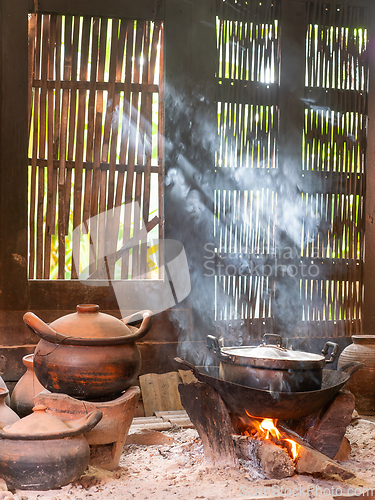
x=250 y=465
x=177 y=470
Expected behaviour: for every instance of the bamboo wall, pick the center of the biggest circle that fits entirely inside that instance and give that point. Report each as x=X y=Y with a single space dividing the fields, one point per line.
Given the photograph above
x=318 y=196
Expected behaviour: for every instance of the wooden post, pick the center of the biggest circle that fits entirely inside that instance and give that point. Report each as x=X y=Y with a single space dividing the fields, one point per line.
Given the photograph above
x=287 y=305
x=190 y=135
x=13 y=153
x=368 y=318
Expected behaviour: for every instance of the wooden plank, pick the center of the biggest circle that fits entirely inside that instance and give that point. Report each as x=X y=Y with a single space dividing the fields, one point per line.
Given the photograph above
x=78 y=176
x=160 y=392
x=33 y=162
x=91 y=119
x=50 y=222
x=368 y=320
x=63 y=147
x=13 y=153
x=45 y=294
x=97 y=144
x=127 y=9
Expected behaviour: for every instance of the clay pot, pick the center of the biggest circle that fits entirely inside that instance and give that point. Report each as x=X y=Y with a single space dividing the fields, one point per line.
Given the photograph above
x=28 y=386
x=4 y=386
x=42 y=452
x=362 y=383
x=7 y=415
x=111 y=431
x=88 y=355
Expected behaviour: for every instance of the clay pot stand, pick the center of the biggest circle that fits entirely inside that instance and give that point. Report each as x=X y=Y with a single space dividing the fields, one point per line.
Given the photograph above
x=107 y=439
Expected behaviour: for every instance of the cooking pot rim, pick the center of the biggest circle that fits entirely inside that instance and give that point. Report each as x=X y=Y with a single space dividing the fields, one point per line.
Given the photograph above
x=272 y=357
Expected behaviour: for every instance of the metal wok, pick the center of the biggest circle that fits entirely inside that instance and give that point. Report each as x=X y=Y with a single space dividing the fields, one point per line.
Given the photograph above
x=277 y=405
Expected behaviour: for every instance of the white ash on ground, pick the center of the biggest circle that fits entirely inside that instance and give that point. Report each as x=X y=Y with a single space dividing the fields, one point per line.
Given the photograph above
x=178 y=471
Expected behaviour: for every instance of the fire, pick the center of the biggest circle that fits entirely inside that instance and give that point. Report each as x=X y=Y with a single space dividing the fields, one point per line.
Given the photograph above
x=268 y=430
x=294 y=448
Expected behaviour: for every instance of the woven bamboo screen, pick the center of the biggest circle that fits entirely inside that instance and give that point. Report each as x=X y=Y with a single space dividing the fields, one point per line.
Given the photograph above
x=334 y=147
x=95 y=97
x=331 y=169
x=247 y=77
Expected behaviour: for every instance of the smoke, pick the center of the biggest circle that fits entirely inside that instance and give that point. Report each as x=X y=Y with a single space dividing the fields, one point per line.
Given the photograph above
x=190 y=184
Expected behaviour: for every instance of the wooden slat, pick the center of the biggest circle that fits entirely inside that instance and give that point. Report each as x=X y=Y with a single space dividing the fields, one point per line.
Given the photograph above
x=91 y=117
x=127 y=9
x=160 y=392
x=97 y=142
x=50 y=142
x=120 y=167
x=63 y=148
x=78 y=174
x=32 y=263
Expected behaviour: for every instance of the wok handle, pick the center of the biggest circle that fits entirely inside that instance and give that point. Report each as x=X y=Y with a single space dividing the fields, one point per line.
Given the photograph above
x=335 y=350
x=351 y=367
x=214 y=346
x=186 y=363
x=275 y=337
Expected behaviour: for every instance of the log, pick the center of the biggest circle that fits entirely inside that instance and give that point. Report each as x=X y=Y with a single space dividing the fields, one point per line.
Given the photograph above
x=329 y=430
x=325 y=430
x=210 y=417
x=312 y=461
x=275 y=461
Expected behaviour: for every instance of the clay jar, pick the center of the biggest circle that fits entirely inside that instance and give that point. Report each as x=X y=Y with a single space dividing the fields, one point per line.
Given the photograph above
x=42 y=452
x=28 y=386
x=7 y=415
x=362 y=382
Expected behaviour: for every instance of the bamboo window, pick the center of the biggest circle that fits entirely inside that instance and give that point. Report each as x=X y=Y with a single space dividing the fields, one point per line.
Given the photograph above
x=95 y=147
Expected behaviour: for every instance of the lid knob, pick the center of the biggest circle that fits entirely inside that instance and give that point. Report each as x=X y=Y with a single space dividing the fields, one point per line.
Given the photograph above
x=39 y=408
x=87 y=308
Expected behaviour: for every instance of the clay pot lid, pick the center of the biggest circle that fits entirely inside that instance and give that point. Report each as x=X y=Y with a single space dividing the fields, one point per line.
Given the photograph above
x=88 y=322
x=39 y=423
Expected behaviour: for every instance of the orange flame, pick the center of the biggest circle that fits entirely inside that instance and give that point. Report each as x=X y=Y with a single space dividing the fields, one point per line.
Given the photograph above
x=267 y=428
x=294 y=447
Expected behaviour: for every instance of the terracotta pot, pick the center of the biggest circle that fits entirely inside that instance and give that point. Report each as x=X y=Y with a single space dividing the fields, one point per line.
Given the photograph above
x=4 y=386
x=42 y=452
x=88 y=354
x=362 y=383
x=7 y=415
x=28 y=386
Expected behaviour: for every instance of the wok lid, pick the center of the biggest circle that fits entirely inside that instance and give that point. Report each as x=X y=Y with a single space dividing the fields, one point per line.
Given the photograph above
x=271 y=356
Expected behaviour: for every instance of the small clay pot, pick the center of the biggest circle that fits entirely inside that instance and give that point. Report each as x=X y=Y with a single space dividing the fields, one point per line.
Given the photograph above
x=362 y=382
x=28 y=386
x=42 y=452
x=7 y=415
x=4 y=386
